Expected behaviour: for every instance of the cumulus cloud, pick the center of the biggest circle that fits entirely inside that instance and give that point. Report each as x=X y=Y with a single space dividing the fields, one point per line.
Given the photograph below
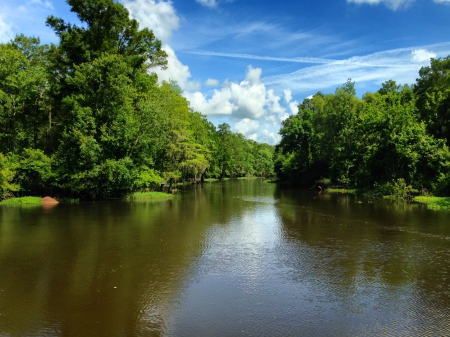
x=248 y=128
x=246 y=99
x=392 y=4
x=422 y=55
x=211 y=82
x=176 y=71
x=208 y=3
x=269 y=137
x=159 y=16
x=293 y=107
x=249 y=103
x=274 y=107
x=219 y=104
x=287 y=95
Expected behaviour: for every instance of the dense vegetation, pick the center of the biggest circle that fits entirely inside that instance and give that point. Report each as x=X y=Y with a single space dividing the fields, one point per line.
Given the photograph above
x=394 y=141
x=86 y=118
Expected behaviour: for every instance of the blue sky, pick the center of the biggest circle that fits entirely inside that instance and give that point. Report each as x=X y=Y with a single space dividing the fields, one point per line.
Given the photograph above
x=249 y=63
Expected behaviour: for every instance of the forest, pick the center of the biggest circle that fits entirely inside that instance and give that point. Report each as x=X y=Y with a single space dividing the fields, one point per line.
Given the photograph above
x=87 y=119
x=391 y=142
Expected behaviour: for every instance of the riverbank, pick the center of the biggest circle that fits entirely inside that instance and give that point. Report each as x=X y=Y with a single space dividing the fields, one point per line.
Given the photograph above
x=436 y=203
x=149 y=196
x=32 y=200
x=22 y=201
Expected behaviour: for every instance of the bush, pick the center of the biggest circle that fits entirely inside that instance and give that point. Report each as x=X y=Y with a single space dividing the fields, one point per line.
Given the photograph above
x=7 y=173
x=397 y=189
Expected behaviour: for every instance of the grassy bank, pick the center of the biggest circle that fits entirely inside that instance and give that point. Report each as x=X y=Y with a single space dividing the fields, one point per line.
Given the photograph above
x=270 y=181
x=437 y=203
x=342 y=191
x=22 y=201
x=212 y=180
x=150 y=196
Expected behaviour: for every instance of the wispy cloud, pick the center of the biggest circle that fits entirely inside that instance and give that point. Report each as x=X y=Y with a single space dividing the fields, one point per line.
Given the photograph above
x=46 y=4
x=223 y=35
x=5 y=30
x=392 y=4
x=265 y=58
x=401 y=65
x=208 y=3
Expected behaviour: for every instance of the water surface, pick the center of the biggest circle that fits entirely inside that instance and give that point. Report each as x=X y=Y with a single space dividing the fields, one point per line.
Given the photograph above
x=238 y=258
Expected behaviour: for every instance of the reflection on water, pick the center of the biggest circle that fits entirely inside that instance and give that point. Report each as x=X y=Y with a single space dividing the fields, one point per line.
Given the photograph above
x=227 y=259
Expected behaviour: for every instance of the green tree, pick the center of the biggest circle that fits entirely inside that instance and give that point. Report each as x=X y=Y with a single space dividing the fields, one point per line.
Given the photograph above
x=432 y=90
x=24 y=100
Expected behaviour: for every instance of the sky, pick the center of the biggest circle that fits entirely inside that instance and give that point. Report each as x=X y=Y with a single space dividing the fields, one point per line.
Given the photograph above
x=249 y=63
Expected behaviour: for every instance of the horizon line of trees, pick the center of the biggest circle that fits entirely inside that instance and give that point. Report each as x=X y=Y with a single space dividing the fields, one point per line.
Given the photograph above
x=393 y=141
x=86 y=118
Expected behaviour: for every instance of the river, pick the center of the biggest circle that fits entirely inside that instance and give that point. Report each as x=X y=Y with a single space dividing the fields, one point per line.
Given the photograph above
x=236 y=258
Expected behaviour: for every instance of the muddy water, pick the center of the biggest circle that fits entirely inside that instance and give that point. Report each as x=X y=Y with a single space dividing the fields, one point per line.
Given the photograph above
x=239 y=258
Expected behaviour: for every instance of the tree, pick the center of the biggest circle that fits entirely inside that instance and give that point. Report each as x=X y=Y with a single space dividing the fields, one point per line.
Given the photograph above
x=432 y=90
x=108 y=29
x=24 y=96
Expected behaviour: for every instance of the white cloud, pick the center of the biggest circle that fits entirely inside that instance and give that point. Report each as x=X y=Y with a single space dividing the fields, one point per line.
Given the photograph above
x=269 y=137
x=392 y=4
x=422 y=55
x=6 y=33
x=274 y=107
x=248 y=99
x=219 y=104
x=287 y=95
x=442 y=1
x=248 y=128
x=211 y=82
x=249 y=103
x=208 y=3
x=264 y=58
x=293 y=107
x=176 y=71
x=159 y=16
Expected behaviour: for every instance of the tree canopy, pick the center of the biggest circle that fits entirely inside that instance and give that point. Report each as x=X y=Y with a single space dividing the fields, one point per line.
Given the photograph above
x=86 y=118
x=399 y=133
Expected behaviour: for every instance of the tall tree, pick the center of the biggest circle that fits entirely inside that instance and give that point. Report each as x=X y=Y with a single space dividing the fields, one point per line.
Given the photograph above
x=432 y=90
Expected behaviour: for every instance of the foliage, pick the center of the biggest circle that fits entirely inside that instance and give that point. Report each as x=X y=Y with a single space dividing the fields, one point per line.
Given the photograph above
x=379 y=141
x=342 y=191
x=396 y=189
x=433 y=97
x=86 y=118
x=22 y=201
x=436 y=203
x=34 y=172
x=150 y=196
x=7 y=173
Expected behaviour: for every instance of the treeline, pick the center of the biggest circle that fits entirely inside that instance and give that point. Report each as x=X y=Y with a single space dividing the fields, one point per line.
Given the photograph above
x=86 y=118
x=392 y=141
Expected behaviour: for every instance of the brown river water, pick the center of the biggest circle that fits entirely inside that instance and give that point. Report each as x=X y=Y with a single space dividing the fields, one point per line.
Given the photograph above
x=238 y=258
